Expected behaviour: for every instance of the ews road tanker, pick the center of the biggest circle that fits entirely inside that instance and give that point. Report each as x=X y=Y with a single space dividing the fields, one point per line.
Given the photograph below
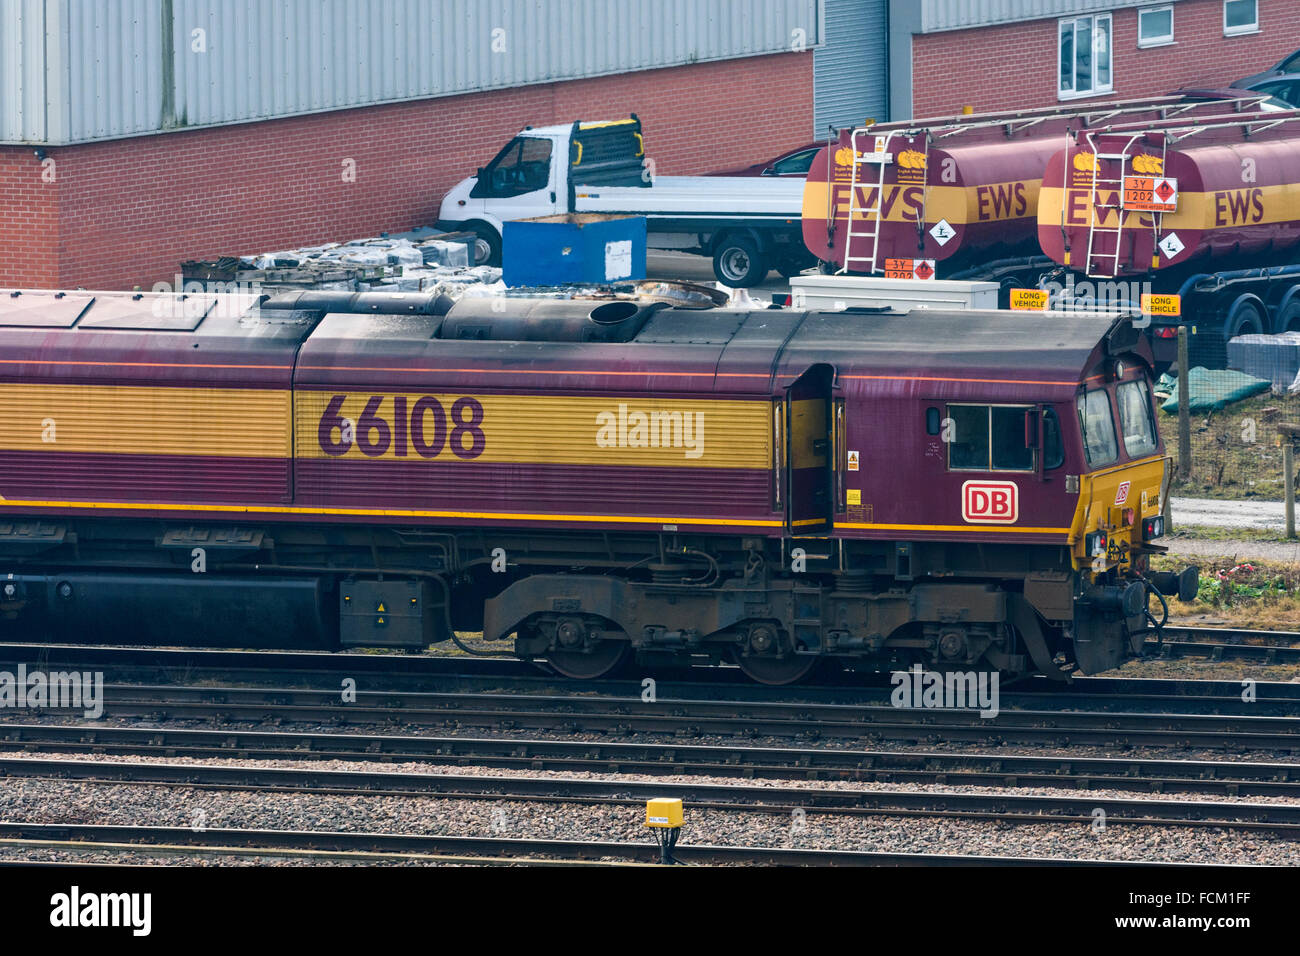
x=1190 y=201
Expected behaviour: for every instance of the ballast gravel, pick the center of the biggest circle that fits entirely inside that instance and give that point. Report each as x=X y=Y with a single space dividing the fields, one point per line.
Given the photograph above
x=52 y=801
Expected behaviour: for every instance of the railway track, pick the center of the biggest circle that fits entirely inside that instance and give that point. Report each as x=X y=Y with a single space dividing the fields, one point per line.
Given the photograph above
x=146 y=664
x=1226 y=644
x=401 y=673
x=1231 y=635
x=508 y=697
x=693 y=718
x=1273 y=818
x=1230 y=778
x=432 y=848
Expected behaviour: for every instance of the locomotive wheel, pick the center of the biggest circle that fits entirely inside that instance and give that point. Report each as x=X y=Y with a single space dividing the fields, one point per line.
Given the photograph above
x=599 y=661
x=775 y=670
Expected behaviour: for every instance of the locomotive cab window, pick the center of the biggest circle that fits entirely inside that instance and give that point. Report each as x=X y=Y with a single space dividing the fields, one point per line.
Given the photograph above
x=1098 y=427
x=1135 y=419
x=988 y=438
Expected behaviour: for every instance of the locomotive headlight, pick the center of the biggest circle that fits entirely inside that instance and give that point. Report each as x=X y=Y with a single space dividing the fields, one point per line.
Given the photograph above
x=1153 y=527
x=1095 y=544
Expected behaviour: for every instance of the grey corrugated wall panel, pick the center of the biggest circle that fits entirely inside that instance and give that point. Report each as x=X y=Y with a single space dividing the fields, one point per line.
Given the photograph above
x=23 y=88
x=115 y=76
x=960 y=14
x=851 y=68
x=114 y=52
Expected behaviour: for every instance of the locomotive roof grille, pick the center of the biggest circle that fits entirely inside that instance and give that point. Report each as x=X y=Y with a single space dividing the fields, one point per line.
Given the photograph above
x=1032 y=347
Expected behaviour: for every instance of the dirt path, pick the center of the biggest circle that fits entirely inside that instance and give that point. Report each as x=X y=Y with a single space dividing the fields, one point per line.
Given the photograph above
x=1212 y=512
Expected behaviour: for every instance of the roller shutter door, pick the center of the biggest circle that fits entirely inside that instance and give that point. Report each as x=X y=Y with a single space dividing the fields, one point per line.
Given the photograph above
x=851 y=70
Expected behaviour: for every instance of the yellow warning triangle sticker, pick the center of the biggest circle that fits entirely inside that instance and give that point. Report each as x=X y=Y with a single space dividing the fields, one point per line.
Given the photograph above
x=380 y=621
x=381 y=610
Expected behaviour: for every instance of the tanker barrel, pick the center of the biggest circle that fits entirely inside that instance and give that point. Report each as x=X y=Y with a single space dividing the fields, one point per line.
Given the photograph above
x=547 y=320
x=379 y=303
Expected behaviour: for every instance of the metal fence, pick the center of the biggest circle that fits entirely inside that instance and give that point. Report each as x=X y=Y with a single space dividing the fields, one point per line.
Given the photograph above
x=1232 y=434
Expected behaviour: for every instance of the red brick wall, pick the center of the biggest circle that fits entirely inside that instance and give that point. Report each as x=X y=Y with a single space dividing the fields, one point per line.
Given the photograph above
x=1014 y=65
x=128 y=212
x=29 y=220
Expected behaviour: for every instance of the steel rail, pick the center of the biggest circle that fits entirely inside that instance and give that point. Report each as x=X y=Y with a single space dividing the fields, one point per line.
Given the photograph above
x=490 y=849
x=1231 y=778
x=1279 y=818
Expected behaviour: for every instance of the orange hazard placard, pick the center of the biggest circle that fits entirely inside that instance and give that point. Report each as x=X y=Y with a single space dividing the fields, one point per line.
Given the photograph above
x=909 y=269
x=1150 y=193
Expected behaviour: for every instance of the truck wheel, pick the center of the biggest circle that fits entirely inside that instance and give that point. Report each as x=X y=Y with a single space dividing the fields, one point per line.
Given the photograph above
x=487 y=247
x=1245 y=318
x=739 y=263
x=1288 y=319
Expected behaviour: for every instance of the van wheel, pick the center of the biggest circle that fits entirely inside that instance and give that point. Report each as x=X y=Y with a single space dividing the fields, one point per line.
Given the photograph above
x=739 y=263
x=487 y=246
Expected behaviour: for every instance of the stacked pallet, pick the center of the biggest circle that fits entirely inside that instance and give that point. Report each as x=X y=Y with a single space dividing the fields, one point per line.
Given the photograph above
x=421 y=261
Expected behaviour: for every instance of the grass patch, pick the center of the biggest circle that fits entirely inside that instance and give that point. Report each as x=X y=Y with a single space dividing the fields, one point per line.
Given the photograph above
x=1254 y=594
x=1193 y=532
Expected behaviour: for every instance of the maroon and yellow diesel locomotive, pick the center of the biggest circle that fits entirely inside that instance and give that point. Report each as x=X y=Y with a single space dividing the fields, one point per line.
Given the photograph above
x=773 y=487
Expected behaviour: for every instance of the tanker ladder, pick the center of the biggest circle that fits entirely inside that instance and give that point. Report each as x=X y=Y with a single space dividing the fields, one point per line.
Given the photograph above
x=881 y=158
x=1095 y=229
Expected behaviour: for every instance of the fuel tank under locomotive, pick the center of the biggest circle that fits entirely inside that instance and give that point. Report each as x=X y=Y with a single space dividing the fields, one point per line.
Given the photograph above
x=199 y=610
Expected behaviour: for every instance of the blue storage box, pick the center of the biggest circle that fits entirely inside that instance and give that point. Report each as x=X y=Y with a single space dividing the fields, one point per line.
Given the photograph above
x=574 y=247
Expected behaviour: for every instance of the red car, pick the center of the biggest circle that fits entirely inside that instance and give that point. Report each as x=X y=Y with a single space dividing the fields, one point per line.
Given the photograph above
x=793 y=163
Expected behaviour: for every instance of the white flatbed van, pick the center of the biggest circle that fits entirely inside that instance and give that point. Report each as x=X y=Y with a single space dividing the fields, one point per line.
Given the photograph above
x=748 y=225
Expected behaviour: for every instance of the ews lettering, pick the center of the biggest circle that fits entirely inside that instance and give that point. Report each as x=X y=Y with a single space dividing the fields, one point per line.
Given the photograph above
x=909 y=200
x=1001 y=201
x=1238 y=206
x=424 y=428
x=1079 y=203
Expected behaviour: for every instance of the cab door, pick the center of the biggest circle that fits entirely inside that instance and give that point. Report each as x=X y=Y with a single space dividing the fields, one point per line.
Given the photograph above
x=809 y=459
x=521 y=182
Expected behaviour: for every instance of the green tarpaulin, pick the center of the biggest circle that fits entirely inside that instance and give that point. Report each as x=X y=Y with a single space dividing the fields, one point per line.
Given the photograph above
x=1212 y=389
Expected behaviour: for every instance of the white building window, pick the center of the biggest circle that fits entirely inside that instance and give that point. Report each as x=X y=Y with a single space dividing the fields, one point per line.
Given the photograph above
x=1085 y=57
x=1155 y=25
x=1240 y=16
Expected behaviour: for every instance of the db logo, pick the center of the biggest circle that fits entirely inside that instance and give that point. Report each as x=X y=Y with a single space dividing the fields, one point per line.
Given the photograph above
x=990 y=502
x=1121 y=493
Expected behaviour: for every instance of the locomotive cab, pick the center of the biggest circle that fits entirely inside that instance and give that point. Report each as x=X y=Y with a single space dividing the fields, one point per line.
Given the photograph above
x=1122 y=486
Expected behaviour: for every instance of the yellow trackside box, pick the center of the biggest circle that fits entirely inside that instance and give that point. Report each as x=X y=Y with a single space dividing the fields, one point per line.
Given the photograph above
x=663 y=812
